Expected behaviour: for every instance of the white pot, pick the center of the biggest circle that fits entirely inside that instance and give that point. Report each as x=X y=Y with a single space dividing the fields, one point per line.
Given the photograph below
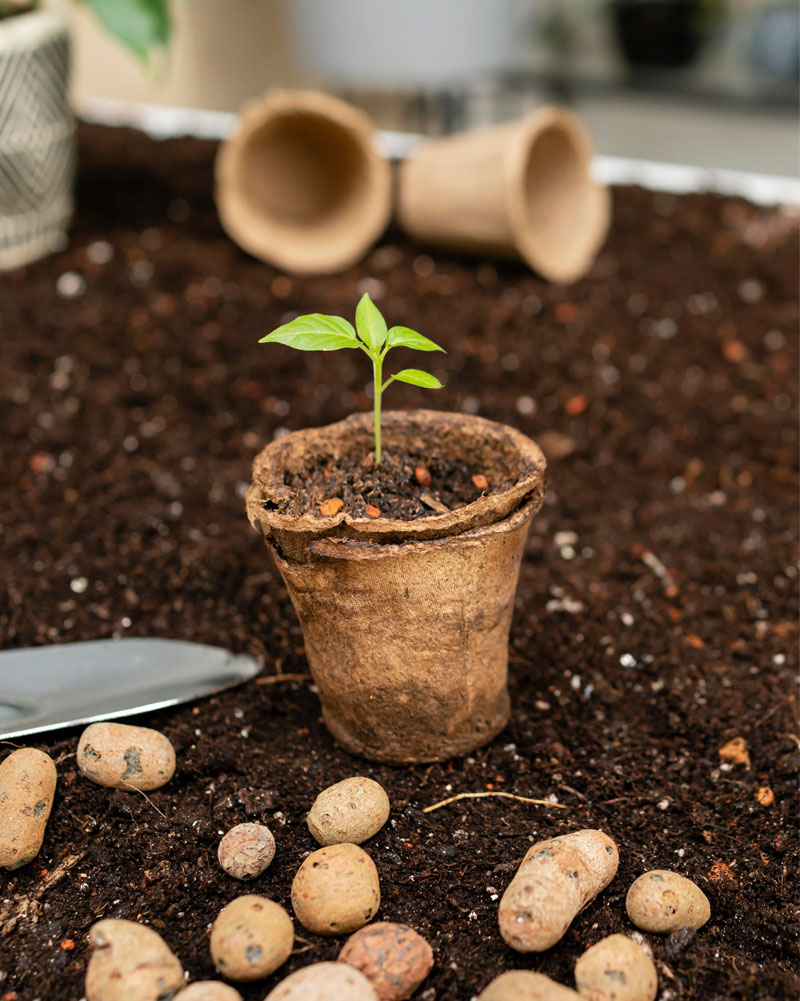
x=36 y=136
x=413 y=43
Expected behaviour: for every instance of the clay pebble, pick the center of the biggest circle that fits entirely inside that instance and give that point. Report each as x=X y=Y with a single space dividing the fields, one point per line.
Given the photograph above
x=324 y=982
x=336 y=890
x=522 y=985
x=119 y=756
x=616 y=969
x=351 y=810
x=393 y=957
x=246 y=850
x=251 y=937
x=27 y=787
x=130 y=962
x=210 y=990
x=555 y=880
x=663 y=901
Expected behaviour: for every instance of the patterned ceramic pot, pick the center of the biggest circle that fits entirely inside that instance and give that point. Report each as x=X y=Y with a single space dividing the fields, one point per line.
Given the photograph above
x=36 y=136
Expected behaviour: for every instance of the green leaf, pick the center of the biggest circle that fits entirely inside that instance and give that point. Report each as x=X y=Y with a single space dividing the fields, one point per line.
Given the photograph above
x=404 y=337
x=141 y=25
x=314 y=332
x=416 y=377
x=370 y=323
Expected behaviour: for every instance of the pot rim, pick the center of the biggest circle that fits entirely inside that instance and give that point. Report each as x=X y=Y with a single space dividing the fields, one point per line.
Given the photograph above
x=332 y=548
x=318 y=249
x=595 y=226
x=268 y=496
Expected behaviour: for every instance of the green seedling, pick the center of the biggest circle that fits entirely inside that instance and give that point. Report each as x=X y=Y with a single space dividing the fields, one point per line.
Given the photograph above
x=317 y=332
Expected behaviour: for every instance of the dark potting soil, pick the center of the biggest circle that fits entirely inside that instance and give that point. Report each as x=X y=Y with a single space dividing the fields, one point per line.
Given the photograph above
x=656 y=616
x=413 y=484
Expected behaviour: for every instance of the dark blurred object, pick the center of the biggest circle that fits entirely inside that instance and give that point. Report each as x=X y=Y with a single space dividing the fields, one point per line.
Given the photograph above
x=8 y=8
x=664 y=34
x=775 y=42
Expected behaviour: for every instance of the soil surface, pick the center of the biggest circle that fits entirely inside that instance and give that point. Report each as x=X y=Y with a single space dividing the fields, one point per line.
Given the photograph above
x=656 y=615
x=414 y=484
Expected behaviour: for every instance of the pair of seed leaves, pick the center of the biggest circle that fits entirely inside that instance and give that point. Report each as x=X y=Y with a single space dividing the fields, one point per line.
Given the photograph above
x=318 y=332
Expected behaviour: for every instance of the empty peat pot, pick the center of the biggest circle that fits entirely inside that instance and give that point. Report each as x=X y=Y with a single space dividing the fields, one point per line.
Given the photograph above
x=521 y=190
x=300 y=183
x=405 y=622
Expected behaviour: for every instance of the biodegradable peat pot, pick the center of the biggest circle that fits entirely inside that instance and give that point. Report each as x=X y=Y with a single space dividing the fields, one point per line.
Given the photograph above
x=301 y=185
x=405 y=622
x=36 y=136
x=522 y=190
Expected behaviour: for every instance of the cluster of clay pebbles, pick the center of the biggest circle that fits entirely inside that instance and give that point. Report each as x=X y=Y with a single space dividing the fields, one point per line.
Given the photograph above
x=556 y=879
x=336 y=892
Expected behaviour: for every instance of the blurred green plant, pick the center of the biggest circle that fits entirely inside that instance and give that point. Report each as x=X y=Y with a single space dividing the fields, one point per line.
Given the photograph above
x=143 y=26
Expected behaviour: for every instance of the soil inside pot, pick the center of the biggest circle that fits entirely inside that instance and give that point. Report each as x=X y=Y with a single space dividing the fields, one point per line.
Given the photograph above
x=656 y=615
x=416 y=483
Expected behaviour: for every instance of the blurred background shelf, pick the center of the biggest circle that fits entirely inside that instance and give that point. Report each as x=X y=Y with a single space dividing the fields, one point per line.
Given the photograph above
x=717 y=87
x=165 y=122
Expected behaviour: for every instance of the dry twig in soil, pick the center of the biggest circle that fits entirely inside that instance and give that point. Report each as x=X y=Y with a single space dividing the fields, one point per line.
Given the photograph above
x=486 y=795
x=273 y=679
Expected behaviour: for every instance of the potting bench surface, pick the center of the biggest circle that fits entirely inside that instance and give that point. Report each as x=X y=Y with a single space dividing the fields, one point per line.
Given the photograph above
x=656 y=616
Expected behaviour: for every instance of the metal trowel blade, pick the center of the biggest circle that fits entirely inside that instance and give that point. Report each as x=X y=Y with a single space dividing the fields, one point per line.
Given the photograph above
x=48 y=687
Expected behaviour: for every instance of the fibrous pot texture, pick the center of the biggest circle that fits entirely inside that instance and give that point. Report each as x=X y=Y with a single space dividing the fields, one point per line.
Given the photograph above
x=405 y=622
x=300 y=183
x=522 y=189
